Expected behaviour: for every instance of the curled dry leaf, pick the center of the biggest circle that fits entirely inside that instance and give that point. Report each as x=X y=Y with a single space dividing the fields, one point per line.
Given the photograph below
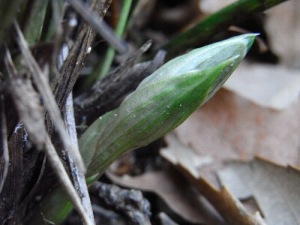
x=275 y=188
x=225 y=203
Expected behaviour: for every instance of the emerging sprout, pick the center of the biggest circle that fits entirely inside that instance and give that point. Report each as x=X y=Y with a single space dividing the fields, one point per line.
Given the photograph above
x=161 y=102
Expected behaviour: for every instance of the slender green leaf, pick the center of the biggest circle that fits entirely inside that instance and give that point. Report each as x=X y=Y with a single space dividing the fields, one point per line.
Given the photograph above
x=218 y=22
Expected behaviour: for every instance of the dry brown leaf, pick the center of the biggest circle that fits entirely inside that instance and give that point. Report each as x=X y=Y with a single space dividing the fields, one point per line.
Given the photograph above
x=230 y=127
x=275 y=188
x=226 y=204
x=209 y=6
x=283 y=28
x=270 y=86
x=176 y=153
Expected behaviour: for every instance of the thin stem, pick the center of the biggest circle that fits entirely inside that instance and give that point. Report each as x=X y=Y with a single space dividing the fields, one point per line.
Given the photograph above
x=122 y=22
x=102 y=69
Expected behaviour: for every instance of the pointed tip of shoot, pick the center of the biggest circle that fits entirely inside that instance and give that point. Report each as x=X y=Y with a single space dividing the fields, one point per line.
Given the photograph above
x=249 y=38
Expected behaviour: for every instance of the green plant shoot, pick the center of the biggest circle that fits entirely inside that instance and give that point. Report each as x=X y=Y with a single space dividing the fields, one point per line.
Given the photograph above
x=160 y=103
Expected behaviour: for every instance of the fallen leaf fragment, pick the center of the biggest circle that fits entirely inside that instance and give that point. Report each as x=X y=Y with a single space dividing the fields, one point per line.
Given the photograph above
x=210 y=7
x=283 y=28
x=275 y=188
x=177 y=153
x=229 y=207
x=224 y=202
x=231 y=127
x=270 y=86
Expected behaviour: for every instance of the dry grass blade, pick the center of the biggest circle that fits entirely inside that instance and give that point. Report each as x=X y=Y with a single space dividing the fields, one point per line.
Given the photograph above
x=39 y=78
x=65 y=181
x=27 y=104
x=44 y=90
x=99 y=26
x=30 y=112
x=3 y=144
x=77 y=176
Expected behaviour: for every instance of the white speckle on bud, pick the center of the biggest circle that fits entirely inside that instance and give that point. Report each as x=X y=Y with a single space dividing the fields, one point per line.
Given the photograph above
x=115 y=114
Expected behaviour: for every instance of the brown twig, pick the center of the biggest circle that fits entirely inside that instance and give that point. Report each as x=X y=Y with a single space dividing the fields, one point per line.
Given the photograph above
x=74 y=62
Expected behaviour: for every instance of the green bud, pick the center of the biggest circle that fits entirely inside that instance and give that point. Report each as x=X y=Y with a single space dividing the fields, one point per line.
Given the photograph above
x=161 y=102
